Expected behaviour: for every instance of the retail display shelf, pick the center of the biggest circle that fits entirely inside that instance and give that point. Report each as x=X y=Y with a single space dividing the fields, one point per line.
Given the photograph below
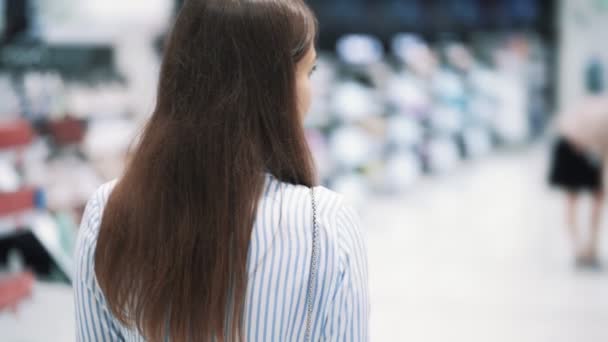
x=15 y=134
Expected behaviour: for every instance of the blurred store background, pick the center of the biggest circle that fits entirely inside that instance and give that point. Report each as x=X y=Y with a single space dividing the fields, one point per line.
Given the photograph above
x=433 y=116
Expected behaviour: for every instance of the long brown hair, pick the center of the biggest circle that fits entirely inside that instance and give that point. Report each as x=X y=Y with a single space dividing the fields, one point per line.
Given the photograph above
x=172 y=249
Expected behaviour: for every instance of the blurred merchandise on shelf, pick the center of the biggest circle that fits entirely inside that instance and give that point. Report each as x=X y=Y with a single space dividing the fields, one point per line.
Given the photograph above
x=385 y=117
x=414 y=95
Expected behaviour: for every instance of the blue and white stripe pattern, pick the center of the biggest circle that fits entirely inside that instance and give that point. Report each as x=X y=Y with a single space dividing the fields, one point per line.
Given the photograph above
x=278 y=267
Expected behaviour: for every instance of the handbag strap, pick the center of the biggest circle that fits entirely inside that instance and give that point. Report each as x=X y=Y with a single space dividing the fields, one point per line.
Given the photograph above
x=313 y=269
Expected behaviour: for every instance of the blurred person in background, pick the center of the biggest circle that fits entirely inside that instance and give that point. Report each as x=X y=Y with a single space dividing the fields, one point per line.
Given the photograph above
x=579 y=165
x=216 y=230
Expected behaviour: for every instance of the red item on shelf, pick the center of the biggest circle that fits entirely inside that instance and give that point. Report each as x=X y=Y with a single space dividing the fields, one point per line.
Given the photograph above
x=67 y=131
x=14 y=202
x=15 y=134
x=14 y=289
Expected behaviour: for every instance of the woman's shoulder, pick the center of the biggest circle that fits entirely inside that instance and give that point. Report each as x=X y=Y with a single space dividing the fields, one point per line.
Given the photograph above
x=99 y=198
x=299 y=197
x=87 y=237
x=93 y=211
x=101 y=195
x=336 y=217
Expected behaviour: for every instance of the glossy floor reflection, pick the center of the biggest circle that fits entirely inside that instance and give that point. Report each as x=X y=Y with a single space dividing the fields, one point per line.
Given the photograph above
x=481 y=255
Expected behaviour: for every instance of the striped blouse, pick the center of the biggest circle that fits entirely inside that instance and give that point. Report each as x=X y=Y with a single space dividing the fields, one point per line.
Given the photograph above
x=278 y=269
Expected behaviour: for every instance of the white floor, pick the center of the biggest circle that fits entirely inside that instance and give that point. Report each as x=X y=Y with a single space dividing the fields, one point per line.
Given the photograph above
x=477 y=255
x=481 y=255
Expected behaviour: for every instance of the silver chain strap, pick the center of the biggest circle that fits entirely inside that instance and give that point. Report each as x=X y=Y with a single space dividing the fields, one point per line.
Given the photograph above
x=313 y=268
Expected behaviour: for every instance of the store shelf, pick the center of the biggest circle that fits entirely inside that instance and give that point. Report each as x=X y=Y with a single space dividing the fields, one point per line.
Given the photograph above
x=15 y=287
x=15 y=134
x=14 y=202
x=11 y=231
x=44 y=228
x=67 y=131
